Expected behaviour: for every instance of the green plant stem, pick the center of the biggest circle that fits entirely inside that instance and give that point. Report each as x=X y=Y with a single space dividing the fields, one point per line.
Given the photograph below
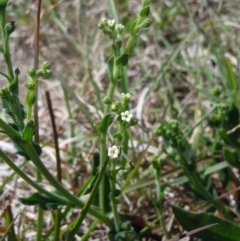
x=117 y=69
x=71 y=125
x=3 y=20
x=103 y=155
x=112 y=197
x=57 y=225
x=10 y=177
x=9 y=130
x=129 y=44
x=90 y=229
x=103 y=145
x=81 y=191
x=6 y=76
x=86 y=207
x=39 y=223
x=113 y=181
x=38 y=187
x=36 y=119
x=7 y=57
x=159 y=205
x=29 y=112
x=10 y=223
x=125 y=89
x=6 y=50
x=28 y=147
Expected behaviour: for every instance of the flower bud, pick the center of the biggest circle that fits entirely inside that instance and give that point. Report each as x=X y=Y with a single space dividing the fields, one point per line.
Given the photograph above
x=119 y=28
x=101 y=26
x=217 y=90
x=32 y=72
x=5 y=91
x=31 y=85
x=118 y=136
x=39 y=73
x=147 y=22
x=10 y=27
x=47 y=74
x=125 y=98
x=107 y=100
x=118 y=43
x=46 y=65
x=111 y=23
x=115 y=107
x=133 y=121
x=107 y=32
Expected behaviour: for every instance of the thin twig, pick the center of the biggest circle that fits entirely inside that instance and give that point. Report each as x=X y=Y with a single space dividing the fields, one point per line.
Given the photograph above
x=55 y=136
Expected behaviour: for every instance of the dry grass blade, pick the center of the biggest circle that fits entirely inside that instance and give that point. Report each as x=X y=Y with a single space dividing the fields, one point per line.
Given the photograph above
x=8 y=218
x=188 y=234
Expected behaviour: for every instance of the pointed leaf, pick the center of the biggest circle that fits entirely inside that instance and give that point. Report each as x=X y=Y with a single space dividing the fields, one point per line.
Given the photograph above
x=122 y=60
x=46 y=203
x=225 y=231
x=132 y=26
x=232 y=158
x=110 y=65
x=145 y=12
x=106 y=122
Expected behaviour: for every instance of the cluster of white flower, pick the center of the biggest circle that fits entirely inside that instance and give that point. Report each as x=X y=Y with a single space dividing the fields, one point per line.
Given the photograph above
x=119 y=28
x=112 y=24
x=113 y=152
x=127 y=96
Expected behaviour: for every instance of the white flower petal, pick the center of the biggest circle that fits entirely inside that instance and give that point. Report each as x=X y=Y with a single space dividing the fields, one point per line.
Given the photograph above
x=113 y=152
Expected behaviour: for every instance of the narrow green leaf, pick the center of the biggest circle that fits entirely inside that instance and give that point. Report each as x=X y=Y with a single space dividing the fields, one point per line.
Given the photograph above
x=232 y=83
x=145 y=12
x=106 y=122
x=95 y=163
x=110 y=65
x=14 y=84
x=122 y=60
x=46 y=203
x=215 y=168
x=232 y=158
x=225 y=231
x=10 y=223
x=132 y=26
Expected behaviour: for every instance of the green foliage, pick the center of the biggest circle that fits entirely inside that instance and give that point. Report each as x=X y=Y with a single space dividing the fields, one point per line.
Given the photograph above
x=106 y=122
x=224 y=231
x=122 y=60
x=45 y=202
x=127 y=233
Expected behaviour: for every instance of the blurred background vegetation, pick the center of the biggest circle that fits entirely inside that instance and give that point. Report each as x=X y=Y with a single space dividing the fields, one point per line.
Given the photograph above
x=173 y=67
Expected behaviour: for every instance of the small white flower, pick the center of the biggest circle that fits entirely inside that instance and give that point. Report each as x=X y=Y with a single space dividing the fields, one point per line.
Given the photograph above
x=111 y=22
x=126 y=96
x=104 y=20
x=126 y=116
x=119 y=28
x=113 y=152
